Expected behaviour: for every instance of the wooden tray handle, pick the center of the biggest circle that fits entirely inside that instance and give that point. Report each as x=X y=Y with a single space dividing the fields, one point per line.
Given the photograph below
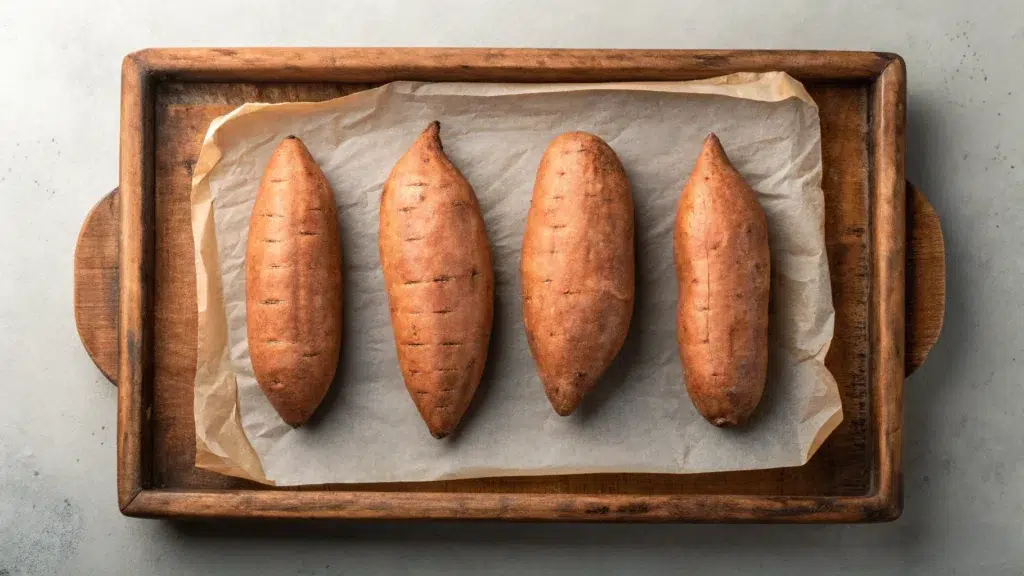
x=926 y=279
x=96 y=281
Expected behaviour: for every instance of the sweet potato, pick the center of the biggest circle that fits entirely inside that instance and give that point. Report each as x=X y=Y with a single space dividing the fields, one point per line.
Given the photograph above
x=440 y=284
x=578 y=268
x=293 y=285
x=723 y=267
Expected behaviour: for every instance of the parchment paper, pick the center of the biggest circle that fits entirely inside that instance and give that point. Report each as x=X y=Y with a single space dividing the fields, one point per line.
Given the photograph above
x=639 y=419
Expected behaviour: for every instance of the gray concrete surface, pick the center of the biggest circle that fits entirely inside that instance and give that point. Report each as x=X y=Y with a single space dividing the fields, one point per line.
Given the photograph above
x=59 y=83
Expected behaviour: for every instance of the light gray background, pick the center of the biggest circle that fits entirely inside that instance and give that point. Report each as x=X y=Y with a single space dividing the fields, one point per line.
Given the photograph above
x=59 y=87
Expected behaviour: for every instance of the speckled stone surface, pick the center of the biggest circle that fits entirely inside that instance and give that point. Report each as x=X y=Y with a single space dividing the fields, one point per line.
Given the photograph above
x=964 y=478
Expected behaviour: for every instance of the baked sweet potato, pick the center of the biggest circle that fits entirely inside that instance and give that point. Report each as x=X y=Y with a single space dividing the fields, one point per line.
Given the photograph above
x=723 y=266
x=578 y=267
x=440 y=284
x=293 y=286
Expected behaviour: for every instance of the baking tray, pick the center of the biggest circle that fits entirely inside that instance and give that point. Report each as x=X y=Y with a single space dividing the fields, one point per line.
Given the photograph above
x=135 y=296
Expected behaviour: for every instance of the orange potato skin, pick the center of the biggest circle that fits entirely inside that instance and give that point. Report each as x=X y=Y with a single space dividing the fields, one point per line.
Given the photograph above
x=578 y=266
x=440 y=282
x=293 y=283
x=723 y=266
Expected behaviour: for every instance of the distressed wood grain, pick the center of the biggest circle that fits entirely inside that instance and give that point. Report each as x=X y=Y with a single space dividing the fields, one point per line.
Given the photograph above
x=884 y=245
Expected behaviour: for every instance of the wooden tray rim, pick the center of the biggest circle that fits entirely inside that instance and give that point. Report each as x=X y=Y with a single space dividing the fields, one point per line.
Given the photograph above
x=141 y=69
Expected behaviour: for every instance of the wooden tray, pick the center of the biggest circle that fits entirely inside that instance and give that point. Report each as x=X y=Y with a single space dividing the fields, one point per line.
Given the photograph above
x=135 y=297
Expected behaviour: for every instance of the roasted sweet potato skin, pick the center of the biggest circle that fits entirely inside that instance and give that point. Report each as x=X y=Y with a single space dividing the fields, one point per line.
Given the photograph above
x=293 y=283
x=440 y=283
x=578 y=266
x=723 y=267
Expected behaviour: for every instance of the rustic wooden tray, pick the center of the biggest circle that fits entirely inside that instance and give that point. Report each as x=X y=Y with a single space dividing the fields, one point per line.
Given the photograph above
x=135 y=297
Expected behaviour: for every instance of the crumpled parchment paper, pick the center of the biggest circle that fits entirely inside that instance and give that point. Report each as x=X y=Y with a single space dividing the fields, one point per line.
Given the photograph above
x=639 y=419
